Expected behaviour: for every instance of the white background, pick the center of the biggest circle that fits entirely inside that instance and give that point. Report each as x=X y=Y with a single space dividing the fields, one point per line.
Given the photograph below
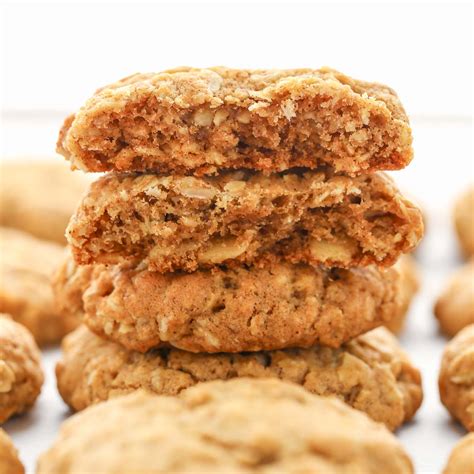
x=54 y=55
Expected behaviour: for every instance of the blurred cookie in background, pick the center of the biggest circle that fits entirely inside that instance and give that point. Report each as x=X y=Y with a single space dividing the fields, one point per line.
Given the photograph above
x=39 y=196
x=26 y=266
x=454 y=307
x=9 y=462
x=456 y=377
x=461 y=460
x=464 y=221
x=21 y=376
x=409 y=284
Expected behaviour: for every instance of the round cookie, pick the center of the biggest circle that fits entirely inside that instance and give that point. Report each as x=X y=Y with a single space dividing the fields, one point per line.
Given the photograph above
x=228 y=309
x=371 y=373
x=242 y=425
x=454 y=308
x=21 y=376
x=409 y=285
x=26 y=267
x=39 y=196
x=461 y=459
x=9 y=461
x=464 y=221
x=456 y=377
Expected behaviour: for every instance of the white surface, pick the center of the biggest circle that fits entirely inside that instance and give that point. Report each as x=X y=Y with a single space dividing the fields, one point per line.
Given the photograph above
x=442 y=167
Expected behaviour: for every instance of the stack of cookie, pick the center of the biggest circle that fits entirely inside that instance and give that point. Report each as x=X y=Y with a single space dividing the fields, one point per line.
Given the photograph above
x=243 y=229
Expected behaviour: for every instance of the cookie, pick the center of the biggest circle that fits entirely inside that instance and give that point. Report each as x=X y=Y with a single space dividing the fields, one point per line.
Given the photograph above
x=461 y=460
x=464 y=221
x=184 y=223
x=371 y=373
x=26 y=267
x=454 y=307
x=228 y=309
x=39 y=197
x=237 y=426
x=187 y=120
x=409 y=284
x=21 y=376
x=9 y=461
x=456 y=377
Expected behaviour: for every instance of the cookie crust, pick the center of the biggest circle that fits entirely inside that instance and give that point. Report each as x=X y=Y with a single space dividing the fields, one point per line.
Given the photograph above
x=21 y=376
x=461 y=459
x=9 y=461
x=198 y=121
x=464 y=222
x=238 y=426
x=26 y=267
x=456 y=377
x=228 y=309
x=454 y=307
x=184 y=223
x=371 y=373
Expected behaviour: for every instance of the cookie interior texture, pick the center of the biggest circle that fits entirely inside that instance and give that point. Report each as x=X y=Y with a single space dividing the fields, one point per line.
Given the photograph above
x=456 y=377
x=9 y=461
x=171 y=223
x=21 y=376
x=371 y=373
x=228 y=309
x=202 y=120
x=242 y=425
x=26 y=267
x=454 y=307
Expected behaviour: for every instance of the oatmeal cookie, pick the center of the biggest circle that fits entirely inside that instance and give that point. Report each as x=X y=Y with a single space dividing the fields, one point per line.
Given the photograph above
x=198 y=121
x=464 y=221
x=39 y=197
x=9 y=461
x=371 y=373
x=456 y=377
x=183 y=223
x=461 y=460
x=26 y=267
x=21 y=376
x=238 y=426
x=228 y=309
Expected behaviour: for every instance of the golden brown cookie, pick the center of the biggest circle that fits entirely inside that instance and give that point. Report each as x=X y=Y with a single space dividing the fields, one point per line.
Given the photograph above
x=26 y=266
x=454 y=307
x=39 y=197
x=184 y=223
x=21 y=376
x=409 y=284
x=238 y=426
x=371 y=373
x=9 y=461
x=461 y=460
x=464 y=221
x=456 y=377
x=228 y=309
x=200 y=120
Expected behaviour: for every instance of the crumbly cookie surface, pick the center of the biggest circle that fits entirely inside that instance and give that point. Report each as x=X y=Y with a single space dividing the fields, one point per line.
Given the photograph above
x=464 y=221
x=237 y=426
x=456 y=377
x=228 y=309
x=461 y=460
x=26 y=267
x=409 y=284
x=184 y=223
x=454 y=307
x=9 y=461
x=39 y=197
x=198 y=121
x=371 y=373
x=21 y=376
